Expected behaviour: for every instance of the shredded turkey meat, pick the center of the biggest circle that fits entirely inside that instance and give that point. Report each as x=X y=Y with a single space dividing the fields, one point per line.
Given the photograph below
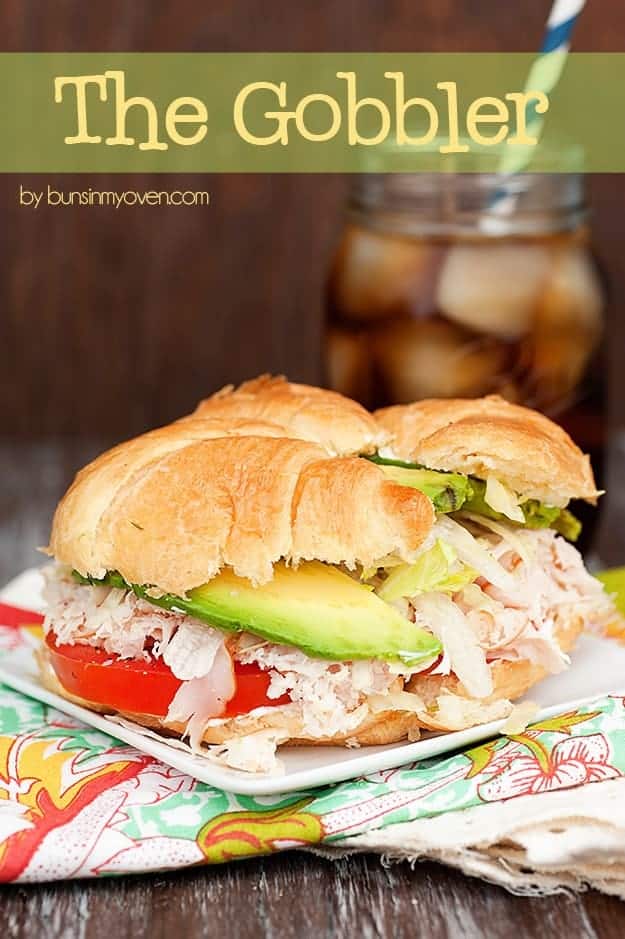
x=547 y=584
x=527 y=583
x=114 y=620
x=329 y=697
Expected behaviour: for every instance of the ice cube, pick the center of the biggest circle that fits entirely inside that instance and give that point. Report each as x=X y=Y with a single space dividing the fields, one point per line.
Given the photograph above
x=376 y=274
x=573 y=292
x=493 y=288
x=567 y=326
x=432 y=358
x=347 y=363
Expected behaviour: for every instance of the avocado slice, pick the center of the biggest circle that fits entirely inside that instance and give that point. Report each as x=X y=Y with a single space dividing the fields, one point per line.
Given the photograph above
x=452 y=492
x=315 y=607
x=447 y=491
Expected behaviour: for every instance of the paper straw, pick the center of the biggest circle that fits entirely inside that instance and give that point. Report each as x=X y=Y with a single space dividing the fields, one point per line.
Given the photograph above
x=543 y=76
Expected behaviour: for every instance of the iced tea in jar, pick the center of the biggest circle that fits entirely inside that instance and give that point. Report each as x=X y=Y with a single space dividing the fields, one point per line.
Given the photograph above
x=431 y=294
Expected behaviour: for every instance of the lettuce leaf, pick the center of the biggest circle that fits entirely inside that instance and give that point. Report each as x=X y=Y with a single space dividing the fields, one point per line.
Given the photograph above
x=567 y=525
x=430 y=572
x=453 y=492
x=536 y=514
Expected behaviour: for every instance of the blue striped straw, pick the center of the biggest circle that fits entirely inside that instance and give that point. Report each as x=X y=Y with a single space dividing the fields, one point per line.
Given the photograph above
x=560 y=25
x=543 y=76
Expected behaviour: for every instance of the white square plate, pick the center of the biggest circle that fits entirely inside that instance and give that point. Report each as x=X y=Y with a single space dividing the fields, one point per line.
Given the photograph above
x=598 y=668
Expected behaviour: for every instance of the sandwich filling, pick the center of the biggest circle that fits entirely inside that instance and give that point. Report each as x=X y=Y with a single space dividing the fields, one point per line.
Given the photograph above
x=452 y=492
x=483 y=589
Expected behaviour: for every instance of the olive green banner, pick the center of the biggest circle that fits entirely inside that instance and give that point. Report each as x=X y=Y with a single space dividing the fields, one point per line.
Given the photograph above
x=309 y=113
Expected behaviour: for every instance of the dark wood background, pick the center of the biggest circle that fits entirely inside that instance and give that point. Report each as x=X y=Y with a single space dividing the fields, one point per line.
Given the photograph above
x=112 y=321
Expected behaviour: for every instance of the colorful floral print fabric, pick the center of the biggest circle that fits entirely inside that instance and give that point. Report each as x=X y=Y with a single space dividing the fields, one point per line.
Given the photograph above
x=77 y=803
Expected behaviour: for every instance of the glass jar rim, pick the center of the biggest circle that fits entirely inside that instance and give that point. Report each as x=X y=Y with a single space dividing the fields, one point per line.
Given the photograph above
x=487 y=204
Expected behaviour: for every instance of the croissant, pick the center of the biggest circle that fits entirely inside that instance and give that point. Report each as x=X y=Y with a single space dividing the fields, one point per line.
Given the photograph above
x=395 y=598
x=337 y=423
x=175 y=506
x=524 y=449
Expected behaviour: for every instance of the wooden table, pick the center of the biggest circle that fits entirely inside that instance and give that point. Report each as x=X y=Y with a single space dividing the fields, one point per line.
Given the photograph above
x=289 y=895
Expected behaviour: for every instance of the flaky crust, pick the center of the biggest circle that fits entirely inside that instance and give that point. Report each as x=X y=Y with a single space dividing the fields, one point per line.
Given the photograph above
x=94 y=488
x=337 y=423
x=175 y=506
x=482 y=436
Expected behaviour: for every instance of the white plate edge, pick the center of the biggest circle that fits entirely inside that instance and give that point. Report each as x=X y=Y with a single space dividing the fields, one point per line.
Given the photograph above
x=244 y=784
x=241 y=783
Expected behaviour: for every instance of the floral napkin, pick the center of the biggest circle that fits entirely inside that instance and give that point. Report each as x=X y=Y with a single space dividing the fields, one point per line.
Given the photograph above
x=75 y=802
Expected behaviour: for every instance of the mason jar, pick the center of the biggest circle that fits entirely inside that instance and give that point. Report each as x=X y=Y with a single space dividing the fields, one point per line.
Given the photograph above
x=439 y=288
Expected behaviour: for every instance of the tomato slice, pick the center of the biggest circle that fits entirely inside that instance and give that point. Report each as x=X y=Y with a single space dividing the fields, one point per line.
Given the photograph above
x=426 y=671
x=141 y=687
